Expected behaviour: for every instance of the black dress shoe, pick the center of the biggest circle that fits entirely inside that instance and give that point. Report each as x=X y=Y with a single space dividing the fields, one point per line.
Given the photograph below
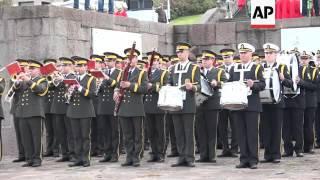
x=63 y=159
x=223 y=155
x=201 y=160
x=154 y=159
x=136 y=164
x=233 y=155
x=79 y=163
x=242 y=165
x=309 y=151
x=287 y=155
x=72 y=159
x=86 y=164
x=28 y=164
x=266 y=161
x=55 y=154
x=317 y=146
x=19 y=160
x=36 y=164
x=114 y=159
x=105 y=159
x=48 y=154
x=212 y=161
x=178 y=164
x=299 y=154
x=190 y=164
x=173 y=155
x=126 y=164
x=276 y=161
x=253 y=166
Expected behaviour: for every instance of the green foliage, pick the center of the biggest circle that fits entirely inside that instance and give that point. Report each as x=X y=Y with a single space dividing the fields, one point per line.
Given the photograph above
x=186 y=20
x=190 y=7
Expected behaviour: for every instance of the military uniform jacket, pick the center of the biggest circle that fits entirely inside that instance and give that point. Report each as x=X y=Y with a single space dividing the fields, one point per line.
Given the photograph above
x=49 y=98
x=318 y=87
x=132 y=102
x=105 y=96
x=287 y=82
x=213 y=103
x=15 y=99
x=311 y=91
x=305 y=82
x=81 y=104
x=31 y=101
x=192 y=72
x=2 y=87
x=254 y=73
x=158 y=78
x=59 y=105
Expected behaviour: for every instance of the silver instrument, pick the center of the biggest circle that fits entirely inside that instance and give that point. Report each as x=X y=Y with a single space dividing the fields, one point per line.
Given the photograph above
x=206 y=91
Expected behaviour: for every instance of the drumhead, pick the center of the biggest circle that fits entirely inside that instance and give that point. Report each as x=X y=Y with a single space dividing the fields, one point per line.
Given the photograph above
x=294 y=69
x=276 y=86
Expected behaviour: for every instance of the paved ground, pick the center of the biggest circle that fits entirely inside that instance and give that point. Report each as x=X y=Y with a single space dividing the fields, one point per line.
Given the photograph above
x=290 y=168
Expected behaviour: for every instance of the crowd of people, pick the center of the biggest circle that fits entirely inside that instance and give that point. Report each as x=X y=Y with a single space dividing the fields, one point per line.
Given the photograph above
x=114 y=108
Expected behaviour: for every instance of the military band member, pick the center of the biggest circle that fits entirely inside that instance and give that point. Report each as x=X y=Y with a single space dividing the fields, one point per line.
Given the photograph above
x=317 y=122
x=131 y=110
x=14 y=103
x=295 y=105
x=311 y=105
x=155 y=116
x=96 y=139
x=119 y=62
x=225 y=118
x=59 y=109
x=272 y=115
x=51 y=130
x=108 y=125
x=165 y=60
x=2 y=87
x=81 y=111
x=170 y=134
x=207 y=122
x=247 y=119
x=31 y=111
x=185 y=74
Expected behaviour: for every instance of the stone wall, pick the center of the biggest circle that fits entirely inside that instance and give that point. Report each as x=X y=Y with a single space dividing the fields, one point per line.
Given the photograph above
x=229 y=33
x=50 y=32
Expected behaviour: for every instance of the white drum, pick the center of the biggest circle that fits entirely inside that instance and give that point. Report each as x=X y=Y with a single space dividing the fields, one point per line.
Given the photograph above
x=234 y=95
x=272 y=92
x=171 y=98
x=293 y=66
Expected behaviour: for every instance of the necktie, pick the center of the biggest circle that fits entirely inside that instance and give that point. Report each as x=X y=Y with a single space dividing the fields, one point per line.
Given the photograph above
x=109 y=72
x=129 y=75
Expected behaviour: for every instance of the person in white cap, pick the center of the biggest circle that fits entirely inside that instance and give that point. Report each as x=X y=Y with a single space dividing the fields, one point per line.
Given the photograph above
x=272 y=115
x=295 y=105
x=247 y=119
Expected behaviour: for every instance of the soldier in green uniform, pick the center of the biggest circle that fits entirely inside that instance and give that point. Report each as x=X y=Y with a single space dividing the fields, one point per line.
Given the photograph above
x=59 y=109
x=226 y=121
x=169 y=123
x=31 y=111
x=81 y=111
x=131 y=110
x=51 y=140
x=187 y=74
x=155 y=116
x=96 y=144
x=108 y=124
x=14 y=103
x=209 y=109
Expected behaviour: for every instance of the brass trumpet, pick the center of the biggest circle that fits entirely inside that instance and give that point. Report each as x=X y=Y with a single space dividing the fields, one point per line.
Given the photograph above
x=53 y=78
x=11 y=92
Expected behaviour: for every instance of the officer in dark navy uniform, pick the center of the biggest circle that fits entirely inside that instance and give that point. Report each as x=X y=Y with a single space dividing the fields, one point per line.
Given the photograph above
x=272 y=115
x=247 y=119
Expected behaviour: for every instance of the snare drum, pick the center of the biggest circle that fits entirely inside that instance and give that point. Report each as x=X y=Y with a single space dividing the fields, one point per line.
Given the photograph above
x=170 y=98
x=272 y=93
x=234 y=95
